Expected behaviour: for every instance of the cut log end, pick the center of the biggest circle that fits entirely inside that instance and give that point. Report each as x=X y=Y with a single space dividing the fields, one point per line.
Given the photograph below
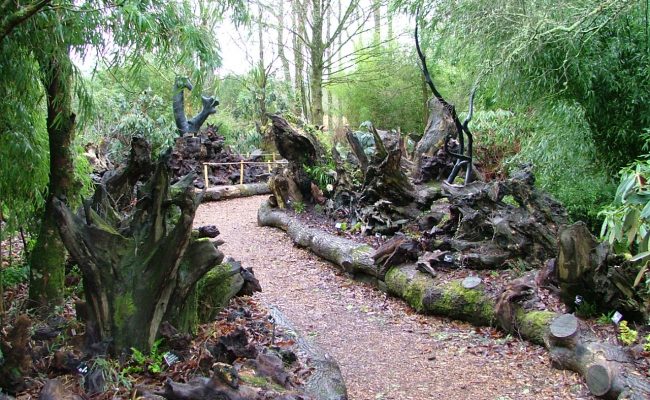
x=471 y=282
x=564 y=327
x=599 y=379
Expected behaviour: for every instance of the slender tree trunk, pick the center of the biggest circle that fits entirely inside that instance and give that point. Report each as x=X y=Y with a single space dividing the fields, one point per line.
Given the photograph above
x=281 y=55
x=262 y=87
x=317 y=49
x=377 y=14
x=47 y=264
x=298 y=19
x=330 y=57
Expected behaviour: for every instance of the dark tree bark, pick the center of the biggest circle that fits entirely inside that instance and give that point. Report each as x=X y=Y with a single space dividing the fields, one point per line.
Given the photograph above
x=384 y=177
x=490 y=231
x=299 y=149
x=47 y=263
x=149 y=243
x=120 y=183
x=590 y=269
x=193 y=125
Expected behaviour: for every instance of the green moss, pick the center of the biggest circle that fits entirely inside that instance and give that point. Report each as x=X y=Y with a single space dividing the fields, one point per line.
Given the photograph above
x=361 y=251
x=244 y=191
x=416 y=290
x=533 y=324
x=456 y=301
x=261 y=382
x=213 y=291
x=396 y=282
x=124 y=309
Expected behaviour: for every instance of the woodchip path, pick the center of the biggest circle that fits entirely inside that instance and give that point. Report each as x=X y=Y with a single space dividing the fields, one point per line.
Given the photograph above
x=384 y=349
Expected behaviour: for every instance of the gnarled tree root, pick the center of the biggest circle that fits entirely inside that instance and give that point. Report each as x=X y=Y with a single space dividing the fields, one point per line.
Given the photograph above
x=217 y=193
x=608 y=369
x=326 y=381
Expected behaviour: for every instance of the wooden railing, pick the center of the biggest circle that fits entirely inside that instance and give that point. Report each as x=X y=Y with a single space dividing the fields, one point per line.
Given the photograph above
x=241 y=164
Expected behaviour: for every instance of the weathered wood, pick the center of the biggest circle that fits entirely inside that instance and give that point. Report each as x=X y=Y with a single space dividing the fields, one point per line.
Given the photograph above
x=592 y=270
x=351 y=256
x=216 y=193
x=440 y=124
x=395 y=251
x=599 y=379
x=471 y=282
x=150 y=242
x=120 y=183
x=357 y=150
x=54 y=390
x=326 y=381
x=178 y=104
x=564 y=327
x=504 y=220
x=384 y=177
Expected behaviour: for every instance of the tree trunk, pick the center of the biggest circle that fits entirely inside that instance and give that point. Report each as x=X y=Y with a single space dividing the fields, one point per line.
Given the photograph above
x=297 y=18
x=281 y=55
x=47 y=263
x=216 y=193
x=377 y=16
x=316 y=50
x=353 y=257
x=316 y=86
x=149 y=243
x=262 y=71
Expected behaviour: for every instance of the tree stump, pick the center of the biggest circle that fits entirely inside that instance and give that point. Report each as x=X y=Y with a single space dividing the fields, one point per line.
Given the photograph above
x=149 y=243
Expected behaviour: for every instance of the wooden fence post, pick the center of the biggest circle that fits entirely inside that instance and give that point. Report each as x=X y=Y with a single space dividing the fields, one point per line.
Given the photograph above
x=241 y=172
x=268 y=163
x=205 y=175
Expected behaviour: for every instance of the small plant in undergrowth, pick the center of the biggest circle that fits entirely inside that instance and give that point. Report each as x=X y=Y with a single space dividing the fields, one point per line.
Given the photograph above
x=646 y=345
x=323 y=174
x=586 y=309
x=298 y=207
x=109 y=374
x=626 y=335
x=153 y=362
x=518 y=267
x=605 y=319
x=15 y=274
x=356 y=227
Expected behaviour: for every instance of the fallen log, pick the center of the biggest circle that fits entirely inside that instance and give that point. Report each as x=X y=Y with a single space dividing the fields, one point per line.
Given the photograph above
x=351 y=256
x=326 y=381
x=608 y=369
x=217 y=193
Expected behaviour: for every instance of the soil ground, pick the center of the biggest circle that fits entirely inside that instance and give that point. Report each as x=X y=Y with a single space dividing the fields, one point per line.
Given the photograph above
x=385 y=350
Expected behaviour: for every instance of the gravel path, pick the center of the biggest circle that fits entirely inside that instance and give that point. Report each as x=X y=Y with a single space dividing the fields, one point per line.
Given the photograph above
x=384 y=349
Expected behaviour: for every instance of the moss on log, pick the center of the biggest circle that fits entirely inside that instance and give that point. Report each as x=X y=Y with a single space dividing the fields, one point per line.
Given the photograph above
x=608 y=369
x=349 y=255
x=216 y=288
x=422 y=292
x=217 y=193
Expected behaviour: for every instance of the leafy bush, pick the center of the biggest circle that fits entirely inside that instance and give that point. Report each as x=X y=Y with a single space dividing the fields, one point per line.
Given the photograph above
x=322 y=174
x=122 y=117
x=15 y=274
x=557 y=141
